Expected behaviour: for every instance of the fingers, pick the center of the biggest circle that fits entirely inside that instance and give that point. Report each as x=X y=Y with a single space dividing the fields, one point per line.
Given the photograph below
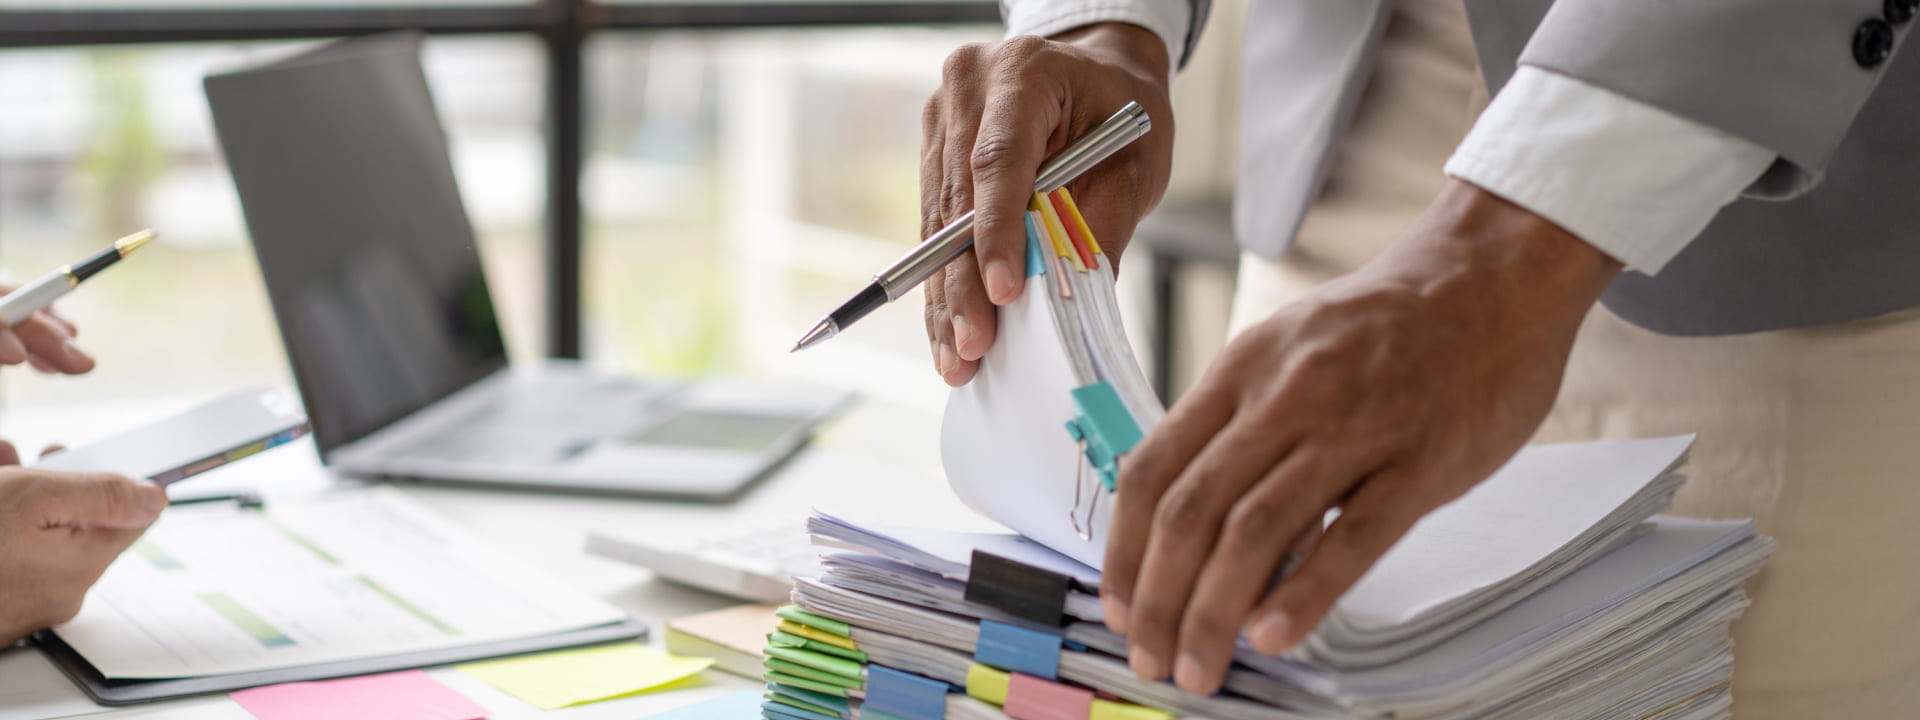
x=1021 y=114
x=9 y=455
x=1251 y=550
x=94 y=500
x=1145 y=474
x=974 y=317
x=1370 y=523
x=49 y=340
x=1184 y=532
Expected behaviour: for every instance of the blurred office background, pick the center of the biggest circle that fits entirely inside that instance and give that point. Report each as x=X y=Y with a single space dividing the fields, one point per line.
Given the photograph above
x=737 y=179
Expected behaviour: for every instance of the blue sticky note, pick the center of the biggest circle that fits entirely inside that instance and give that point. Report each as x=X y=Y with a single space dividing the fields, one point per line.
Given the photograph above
x=1036 y=260
x=904 y=695
x=1017 y=649
x=726 y=707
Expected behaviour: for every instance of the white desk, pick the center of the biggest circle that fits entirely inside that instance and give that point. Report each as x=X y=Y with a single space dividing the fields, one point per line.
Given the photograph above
x=878 y=459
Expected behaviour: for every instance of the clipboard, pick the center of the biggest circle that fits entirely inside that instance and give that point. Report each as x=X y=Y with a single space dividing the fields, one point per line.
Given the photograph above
x=116 y=693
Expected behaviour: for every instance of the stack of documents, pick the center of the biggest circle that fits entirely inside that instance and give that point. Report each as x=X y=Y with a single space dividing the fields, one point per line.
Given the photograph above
x=1550 y=591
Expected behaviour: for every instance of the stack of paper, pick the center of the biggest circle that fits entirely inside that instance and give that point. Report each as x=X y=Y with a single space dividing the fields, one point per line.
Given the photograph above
x=1546 y=592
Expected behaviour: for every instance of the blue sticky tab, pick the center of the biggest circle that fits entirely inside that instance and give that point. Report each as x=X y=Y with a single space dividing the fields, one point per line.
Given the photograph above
x=1036 y=260
x=1017 y=649
x=1106 y=427
x=904 y=695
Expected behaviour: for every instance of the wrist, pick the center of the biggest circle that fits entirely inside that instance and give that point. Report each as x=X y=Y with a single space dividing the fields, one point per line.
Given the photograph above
x=1475 y=240
x=1135 y=48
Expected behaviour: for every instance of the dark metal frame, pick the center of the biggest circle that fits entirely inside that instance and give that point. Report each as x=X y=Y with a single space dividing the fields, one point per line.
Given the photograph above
x=565 y=25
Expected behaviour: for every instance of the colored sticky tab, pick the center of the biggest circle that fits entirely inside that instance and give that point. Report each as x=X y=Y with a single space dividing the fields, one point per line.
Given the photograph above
x=818 y=661
x=799 y=713
x=780 y=638
x=576 y=677
x=836 y=705
x=802 y=704
x=1072 y=229
x=1031 y=698
x=1018 y=649
x=987 y=684
x=1025 y=591
x=726 y=707
x=1036 y=260
x=411 y=695
x=817 y=635
x=1110 y=710
x=820 y=676
x=1074 y=218
x=904 y=695
x=780 y=678
x=811 y=620
x=1106 y=426
x=1051 y=222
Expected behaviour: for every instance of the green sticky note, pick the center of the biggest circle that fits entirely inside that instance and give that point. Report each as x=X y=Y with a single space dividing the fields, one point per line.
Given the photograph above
x=802 y=704
x=838 y=705
x=815 y=621
x=575 y=677
x=818 y=661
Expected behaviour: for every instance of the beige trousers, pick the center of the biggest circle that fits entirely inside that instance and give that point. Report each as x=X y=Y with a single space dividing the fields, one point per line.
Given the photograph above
x=1814 y=432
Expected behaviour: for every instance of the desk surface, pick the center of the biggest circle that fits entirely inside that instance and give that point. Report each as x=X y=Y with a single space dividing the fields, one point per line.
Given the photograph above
x=877 y=459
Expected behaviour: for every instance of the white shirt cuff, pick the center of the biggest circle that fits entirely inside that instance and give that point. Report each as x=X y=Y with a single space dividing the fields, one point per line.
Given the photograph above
x=1635 y=181
x=1168 y=19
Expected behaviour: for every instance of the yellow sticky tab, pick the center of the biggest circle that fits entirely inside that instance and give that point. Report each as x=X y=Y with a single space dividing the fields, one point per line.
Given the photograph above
x=816 y=635
x=987 y=684
x=1038 y=206
x=1109 y=710
x=1079 y=223
x=1059 y=234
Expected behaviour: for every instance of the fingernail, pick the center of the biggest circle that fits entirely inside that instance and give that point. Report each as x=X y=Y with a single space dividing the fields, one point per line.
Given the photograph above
x=1191 y=676
x=152 y=497
x=1145 y=664
x=1000 y=284
x=1269 y=634
x=962 y=333
x=947 y=359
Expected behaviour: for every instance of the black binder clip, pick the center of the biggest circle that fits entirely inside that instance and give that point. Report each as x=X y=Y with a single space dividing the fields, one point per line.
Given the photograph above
x=1019 y=589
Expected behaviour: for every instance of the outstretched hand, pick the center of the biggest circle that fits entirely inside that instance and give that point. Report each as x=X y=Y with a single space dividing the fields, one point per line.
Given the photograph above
x=1384 y=394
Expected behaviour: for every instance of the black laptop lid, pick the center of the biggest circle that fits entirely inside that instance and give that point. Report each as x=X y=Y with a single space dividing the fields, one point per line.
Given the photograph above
x=344 y=175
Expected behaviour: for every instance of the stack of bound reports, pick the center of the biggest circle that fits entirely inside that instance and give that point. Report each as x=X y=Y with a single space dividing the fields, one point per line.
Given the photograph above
x=1550 y=591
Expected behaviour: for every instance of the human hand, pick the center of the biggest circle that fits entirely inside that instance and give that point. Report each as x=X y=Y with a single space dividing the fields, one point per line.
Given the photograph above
x=58 y=533
x=1385 y=394
x=1002 y=110
x=45 y=341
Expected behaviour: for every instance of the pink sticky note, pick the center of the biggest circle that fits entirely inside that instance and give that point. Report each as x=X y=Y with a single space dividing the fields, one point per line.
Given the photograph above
x=410 y=695
x=1032 y=698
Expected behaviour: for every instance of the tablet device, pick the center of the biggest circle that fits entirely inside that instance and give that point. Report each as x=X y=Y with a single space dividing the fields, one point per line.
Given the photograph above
x=225 y=429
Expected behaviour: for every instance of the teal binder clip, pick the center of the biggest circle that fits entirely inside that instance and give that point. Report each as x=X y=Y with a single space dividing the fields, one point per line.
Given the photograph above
x=1105 y=428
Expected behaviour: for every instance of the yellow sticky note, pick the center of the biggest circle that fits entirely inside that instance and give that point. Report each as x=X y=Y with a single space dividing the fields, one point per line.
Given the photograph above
x=575 y=677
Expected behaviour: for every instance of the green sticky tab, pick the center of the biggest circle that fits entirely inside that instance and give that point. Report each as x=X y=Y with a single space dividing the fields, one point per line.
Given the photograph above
x=821 y=676
x=794 y=709
x=818 y=661
x=815 y=621
x=838 y=705
x=802 y=704
x=796 y=681
x=781 y=639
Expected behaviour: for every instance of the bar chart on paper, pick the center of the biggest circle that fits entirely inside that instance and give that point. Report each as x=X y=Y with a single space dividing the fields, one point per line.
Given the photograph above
x=225 y=589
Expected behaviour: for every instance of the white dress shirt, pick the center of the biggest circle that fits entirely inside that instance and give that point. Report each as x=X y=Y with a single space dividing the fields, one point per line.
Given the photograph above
x=1635 y=181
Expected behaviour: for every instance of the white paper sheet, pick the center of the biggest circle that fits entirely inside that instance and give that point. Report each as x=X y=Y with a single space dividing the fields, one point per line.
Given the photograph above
x=220 y=589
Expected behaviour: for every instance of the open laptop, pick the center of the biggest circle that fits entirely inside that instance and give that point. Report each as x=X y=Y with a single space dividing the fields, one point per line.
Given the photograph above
x=344 y=175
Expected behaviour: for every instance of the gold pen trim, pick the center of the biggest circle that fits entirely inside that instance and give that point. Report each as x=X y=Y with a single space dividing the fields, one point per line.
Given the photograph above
x=72 y=281
x=126 y=245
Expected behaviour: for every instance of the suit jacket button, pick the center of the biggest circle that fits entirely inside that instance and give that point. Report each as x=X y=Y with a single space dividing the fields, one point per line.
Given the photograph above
x=1872 y=43
x=1899 y=12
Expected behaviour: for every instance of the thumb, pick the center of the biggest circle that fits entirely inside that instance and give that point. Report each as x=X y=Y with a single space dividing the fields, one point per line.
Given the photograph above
x=97 y=500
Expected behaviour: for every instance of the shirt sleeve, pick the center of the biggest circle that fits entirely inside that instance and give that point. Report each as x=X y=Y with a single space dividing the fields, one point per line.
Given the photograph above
x=1635 y=181
x=1169 y=19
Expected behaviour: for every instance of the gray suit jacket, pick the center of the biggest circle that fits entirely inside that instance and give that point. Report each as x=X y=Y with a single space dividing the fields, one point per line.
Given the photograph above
x=1830 y=233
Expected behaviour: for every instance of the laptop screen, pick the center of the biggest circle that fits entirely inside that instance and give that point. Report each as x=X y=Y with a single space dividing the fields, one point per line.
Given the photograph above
x=343 y=173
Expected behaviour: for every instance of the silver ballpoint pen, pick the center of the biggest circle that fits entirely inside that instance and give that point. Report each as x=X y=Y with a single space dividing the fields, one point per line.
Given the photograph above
x=942 y=247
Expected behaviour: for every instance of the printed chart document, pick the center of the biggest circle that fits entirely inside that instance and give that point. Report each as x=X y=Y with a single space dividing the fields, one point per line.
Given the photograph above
x=218 y=590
